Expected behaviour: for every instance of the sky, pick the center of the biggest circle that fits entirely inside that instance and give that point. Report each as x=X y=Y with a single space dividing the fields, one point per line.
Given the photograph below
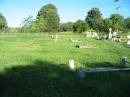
x=15 y=11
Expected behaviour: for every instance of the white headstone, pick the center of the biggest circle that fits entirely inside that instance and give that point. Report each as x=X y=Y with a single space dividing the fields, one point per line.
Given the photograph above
x=128 y=37
x=128 y=44
x=71 y=64
x=114 y=34
x=56 y=37
x=110 y=33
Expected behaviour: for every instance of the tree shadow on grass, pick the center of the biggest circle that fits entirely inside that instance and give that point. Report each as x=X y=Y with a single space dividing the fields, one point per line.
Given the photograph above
x=45 y=79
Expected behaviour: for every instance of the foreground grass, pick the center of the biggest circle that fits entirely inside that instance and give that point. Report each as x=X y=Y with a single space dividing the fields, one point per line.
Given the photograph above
x=35 y=66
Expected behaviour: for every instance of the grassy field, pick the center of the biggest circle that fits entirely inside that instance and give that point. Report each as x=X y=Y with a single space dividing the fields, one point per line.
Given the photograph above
x=33 y=65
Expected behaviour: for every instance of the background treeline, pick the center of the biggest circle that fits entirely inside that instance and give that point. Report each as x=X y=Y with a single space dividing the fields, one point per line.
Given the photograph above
x=48 y=20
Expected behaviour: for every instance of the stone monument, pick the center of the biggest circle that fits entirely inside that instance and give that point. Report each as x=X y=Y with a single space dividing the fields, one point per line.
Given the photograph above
x=110 y=33
x=71 y=64
x=123 y=60
x=56 y=37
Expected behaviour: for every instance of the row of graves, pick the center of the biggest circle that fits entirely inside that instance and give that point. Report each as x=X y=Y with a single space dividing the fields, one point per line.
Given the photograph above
x=111 y=36
x=91 y=34
x=114 y=36
x=78 y=44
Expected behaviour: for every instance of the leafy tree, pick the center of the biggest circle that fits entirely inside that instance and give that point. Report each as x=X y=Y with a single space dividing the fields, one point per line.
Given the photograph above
x=3 y=22
x=39 y=25
x=107 y=23
x=117 y=21
x=49 y=15
x=94 y=19
x=66 y=26
x=79 y=26
x=127 y=23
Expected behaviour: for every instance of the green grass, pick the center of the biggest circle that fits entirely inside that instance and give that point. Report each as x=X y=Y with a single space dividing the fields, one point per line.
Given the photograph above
x=33 y=65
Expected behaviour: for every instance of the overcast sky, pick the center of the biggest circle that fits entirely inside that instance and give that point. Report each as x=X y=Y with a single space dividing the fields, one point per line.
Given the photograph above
x=69 y=10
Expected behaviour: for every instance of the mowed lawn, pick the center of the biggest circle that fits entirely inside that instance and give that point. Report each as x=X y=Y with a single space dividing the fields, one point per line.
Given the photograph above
x=33 y=65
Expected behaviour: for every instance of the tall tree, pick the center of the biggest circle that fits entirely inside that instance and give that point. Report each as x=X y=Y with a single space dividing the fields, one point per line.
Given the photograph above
x=117 y=21
x=79 y=26
x=50 y=16
x=3 y=22
x=94 y=19
x=107 y=23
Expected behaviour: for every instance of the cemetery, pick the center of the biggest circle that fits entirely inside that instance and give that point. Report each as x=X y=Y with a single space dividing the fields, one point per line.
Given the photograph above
x=69 y=48
x=40 y=60
x=37 y=59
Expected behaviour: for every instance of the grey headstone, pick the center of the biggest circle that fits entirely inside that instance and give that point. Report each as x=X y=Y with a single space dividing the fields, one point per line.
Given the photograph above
x=82 y=72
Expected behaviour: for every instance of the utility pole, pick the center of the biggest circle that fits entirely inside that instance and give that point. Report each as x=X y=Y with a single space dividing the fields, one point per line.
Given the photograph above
x=117 y=7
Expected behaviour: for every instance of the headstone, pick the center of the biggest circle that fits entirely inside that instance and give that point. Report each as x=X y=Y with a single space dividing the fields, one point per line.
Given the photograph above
x=128 y=37
x=114 y=34
x=82 y=72
x=123 y=60
x=128 y=43
x=95 y=35
x=110 y=33
x=118 y=38
x=56 y=37
x=71 y=64
x=74 y=40
x=88 y=34
x=52 y=36
x=91 y=34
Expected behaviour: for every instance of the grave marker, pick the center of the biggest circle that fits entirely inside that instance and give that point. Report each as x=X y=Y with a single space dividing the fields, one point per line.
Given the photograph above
x=110 y=33
x=128 y=43
x=123 y=60
x=71 y=64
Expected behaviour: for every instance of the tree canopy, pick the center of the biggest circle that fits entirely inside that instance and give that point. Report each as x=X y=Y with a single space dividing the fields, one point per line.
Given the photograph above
x=117 y=21
x=49 y=15
x=47 y=20
x=94 y=19
x=3 y=22
x=66 y=26
x=79 y=26
x=107 y=23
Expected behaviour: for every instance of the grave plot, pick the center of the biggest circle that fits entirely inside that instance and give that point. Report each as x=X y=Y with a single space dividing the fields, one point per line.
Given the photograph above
x=74 y=40
x=87 y=46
